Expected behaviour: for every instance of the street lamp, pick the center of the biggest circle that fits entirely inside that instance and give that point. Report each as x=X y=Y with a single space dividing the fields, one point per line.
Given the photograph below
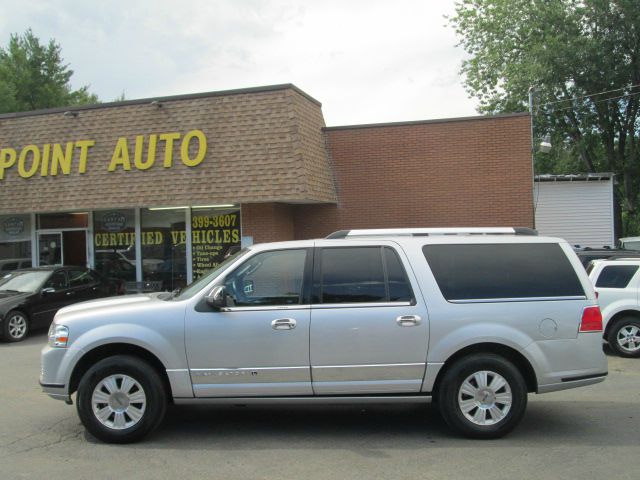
x=545 y=147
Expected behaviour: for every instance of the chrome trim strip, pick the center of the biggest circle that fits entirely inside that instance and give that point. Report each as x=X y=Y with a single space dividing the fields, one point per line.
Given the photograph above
x=265 y=308
x=305 y=400
x=371 y=365
x=323 y=306
x=214 y=377
x=526 y=299
x=177 y=370
x=397 y=372
x=253 y=389
x=388 y=386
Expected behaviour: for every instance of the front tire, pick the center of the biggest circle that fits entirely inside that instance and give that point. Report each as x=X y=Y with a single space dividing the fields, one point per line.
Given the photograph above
x=482 y=396
x=624 y=337
x=121 y=399
x=16 y=326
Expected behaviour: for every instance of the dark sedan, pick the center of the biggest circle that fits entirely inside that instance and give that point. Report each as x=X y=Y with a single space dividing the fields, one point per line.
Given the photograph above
x=29 y=298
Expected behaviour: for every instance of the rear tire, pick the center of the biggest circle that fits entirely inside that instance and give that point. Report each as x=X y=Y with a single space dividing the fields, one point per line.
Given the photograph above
x=121 y=399
x=624 y=337
x=482 y=396
x=16 y=326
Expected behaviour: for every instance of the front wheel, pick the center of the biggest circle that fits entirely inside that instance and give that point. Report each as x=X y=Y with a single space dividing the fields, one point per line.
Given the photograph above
x=624 y=337
x=16 y=326
x=482 y=396
x=121 y=399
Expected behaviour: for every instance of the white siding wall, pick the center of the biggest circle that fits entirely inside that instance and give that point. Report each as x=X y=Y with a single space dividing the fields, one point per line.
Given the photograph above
x=580 y=212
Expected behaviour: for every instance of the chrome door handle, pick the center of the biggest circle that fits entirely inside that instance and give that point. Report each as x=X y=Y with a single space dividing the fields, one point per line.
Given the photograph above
x=408 y=320
x=283 y=324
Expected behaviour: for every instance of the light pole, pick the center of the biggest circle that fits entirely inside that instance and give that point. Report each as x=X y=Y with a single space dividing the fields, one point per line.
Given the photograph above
x=545 y=147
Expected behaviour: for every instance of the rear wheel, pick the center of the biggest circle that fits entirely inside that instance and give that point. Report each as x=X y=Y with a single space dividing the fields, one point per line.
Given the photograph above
x=482 y=396
x=121 y=399
x=624 y=337
x=16 y=326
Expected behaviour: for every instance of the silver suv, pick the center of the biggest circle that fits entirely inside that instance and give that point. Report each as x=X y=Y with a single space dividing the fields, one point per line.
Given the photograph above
x=618 y=285
x=474 y=319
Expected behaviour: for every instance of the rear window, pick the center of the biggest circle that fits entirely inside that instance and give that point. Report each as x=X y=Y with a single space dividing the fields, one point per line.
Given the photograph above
x=616 y=276
x=502 y=271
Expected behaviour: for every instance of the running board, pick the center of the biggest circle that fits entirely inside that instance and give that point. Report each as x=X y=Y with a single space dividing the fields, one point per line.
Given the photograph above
x=355 y=399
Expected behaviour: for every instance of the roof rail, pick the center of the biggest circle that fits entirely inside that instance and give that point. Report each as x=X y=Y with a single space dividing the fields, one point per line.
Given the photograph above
x=424 y=232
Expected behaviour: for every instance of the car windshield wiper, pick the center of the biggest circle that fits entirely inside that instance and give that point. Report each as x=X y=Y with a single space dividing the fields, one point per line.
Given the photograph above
x=9 y=291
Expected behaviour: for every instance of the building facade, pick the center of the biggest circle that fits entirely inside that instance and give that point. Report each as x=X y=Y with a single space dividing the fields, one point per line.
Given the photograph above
x=157 y=191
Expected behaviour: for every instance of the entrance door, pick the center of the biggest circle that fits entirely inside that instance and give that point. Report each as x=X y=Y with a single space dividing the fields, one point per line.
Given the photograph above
x=50 y=249
x=67 y=247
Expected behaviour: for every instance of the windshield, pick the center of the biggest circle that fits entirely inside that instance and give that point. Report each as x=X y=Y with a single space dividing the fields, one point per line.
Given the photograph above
x=190 y=290
x=26 y=282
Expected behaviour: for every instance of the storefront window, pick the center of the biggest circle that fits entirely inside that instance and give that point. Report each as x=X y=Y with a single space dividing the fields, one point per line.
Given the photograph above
x=164 y=242
x=15 y=242
x=114 y=243
x=215 y=234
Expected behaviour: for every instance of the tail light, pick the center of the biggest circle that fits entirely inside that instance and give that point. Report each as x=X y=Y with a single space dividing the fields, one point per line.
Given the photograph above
x=591 y=320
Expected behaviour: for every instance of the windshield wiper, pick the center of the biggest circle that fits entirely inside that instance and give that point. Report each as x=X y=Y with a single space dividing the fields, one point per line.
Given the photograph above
x=10 y=291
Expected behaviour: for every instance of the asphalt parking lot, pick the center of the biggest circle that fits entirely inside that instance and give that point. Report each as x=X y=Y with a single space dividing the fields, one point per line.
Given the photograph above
x=588 y=433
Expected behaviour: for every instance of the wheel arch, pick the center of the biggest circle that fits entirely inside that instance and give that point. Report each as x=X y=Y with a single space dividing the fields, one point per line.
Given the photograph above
x=618 y=315
x=519 y=360
x=101 y=352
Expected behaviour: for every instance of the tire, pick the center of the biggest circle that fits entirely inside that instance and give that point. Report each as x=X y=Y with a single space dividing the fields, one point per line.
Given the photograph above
x=15 y=327
x=482 y=396
x=624 y=337
x=121 y=399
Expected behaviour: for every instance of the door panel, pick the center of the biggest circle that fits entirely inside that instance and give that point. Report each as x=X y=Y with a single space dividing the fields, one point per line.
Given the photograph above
x=259 y=344
x=239 y=353
x=365 y=350
x=369 y=329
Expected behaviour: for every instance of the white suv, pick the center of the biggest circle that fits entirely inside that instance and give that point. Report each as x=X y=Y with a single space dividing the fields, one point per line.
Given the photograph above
x=617 y=284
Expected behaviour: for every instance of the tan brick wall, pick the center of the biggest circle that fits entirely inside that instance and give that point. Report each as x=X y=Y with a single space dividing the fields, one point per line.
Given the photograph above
x=471 y=172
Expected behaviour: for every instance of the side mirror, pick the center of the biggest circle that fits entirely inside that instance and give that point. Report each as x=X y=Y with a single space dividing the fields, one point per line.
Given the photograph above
x=48 y=290
x=215 y=298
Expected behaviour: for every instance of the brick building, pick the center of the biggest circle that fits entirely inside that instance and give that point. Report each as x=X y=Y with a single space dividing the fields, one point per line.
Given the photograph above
x=158 y=190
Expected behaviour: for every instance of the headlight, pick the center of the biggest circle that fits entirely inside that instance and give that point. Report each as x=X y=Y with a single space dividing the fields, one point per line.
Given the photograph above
x=58 y=336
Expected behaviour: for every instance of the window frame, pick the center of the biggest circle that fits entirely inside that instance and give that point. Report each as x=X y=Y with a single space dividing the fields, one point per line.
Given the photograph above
x=497 y=299
x=316 y=295
x=605 y=267
x=305 y=290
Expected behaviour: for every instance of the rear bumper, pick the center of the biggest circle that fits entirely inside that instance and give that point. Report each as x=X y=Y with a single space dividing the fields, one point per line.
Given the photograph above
x=573 y=382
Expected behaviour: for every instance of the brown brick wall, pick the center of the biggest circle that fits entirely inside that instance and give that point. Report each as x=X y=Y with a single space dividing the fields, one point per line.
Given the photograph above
x=268 y=222
x=469 y=172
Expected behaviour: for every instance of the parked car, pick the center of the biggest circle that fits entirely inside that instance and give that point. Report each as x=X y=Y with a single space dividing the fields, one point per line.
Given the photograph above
x=473 y=318
x=29 y=298
x=617 y=283
x=629 y=243
x=587 y=254
x=8 y=264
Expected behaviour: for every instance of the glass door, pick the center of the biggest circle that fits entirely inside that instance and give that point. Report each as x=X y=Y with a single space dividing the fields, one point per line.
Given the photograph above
x=50 y=248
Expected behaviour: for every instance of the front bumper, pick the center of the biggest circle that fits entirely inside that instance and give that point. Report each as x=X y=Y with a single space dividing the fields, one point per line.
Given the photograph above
x=59 y=392
x=54 y=374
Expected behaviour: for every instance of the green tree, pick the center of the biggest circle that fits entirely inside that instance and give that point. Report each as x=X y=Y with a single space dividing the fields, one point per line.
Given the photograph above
x=583 y=58
x=34 y=76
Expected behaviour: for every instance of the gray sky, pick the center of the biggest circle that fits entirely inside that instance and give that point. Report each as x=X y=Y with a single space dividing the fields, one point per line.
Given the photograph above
x=367 y=61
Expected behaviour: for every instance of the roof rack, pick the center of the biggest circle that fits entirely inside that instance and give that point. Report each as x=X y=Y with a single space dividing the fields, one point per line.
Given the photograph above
x=425 y=232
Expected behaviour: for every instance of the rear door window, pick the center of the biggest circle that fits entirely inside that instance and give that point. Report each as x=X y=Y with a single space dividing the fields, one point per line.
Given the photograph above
x=467 y=272
x=361 y=275
x=616 y=276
